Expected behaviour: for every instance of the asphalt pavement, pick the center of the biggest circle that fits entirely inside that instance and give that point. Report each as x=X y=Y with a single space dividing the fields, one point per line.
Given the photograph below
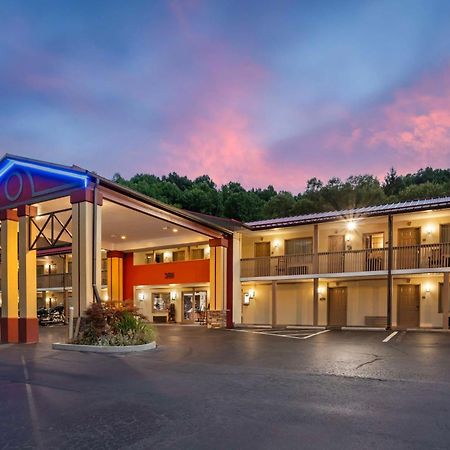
x=222 y=389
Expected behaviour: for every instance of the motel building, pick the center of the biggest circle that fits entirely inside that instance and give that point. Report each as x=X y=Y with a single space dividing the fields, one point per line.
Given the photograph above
x=70 y=237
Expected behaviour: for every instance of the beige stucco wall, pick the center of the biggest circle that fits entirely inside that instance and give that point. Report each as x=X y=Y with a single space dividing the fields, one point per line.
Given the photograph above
x=259 y=311
x=295 y=304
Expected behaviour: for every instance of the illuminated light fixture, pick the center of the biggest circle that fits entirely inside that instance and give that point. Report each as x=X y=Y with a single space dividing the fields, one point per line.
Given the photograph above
x=246 y=299
x=38 y=167
x=351 y=225
x=429 y=230
x=141 y=296
x=276 y=243
x=251 y=293
x=123 y=237
x=175 y=230
x=165 y=228
x=173 y=295
x=427 y=288
x=320 y=290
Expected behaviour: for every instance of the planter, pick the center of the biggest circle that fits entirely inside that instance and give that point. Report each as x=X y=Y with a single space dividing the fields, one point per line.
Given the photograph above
x=104 y=348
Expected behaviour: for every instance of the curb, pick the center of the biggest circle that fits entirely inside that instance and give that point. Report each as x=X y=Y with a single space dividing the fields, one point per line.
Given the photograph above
x=104 y=349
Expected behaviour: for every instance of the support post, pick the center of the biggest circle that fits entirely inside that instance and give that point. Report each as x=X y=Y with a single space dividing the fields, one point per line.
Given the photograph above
x=115 y=276
x=389 y=277
x=274 y=303
x=83 y=247
x=445 y=301
x=315 y=301
x=28 y=322
x=10 y=280
x=218 y=280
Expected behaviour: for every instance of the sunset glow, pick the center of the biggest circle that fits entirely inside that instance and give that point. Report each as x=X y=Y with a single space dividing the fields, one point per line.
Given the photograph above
x=272 y=95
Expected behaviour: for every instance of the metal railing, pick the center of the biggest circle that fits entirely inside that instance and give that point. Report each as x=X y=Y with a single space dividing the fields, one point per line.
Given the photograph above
x=369 y=260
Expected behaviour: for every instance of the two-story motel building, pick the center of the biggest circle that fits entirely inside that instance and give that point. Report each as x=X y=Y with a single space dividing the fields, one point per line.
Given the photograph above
x=69 y=236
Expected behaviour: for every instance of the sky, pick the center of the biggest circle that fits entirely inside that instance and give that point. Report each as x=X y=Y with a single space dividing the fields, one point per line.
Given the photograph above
x=260 y=92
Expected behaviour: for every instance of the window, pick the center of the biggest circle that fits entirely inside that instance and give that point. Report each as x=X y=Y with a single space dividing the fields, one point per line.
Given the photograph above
x=373 y=240
x=161 y=302
x=445 y=233
x=198 y=253
x=178 y=255
x=159 y=257
x=300 y=246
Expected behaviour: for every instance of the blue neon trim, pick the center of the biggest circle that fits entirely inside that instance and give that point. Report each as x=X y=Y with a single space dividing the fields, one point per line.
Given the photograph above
x=52 y=170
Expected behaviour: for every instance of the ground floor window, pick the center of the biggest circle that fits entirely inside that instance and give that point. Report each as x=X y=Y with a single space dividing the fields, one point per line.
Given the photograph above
x=161 y=302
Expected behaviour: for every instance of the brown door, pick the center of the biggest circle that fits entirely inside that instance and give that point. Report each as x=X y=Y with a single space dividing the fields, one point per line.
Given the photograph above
x=408 y=306
x=262 y=263
x=337 y=307
x=408 y=252
x=336 y=247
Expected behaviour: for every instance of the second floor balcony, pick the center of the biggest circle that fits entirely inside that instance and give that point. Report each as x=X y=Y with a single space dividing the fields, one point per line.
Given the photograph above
x=416 y=257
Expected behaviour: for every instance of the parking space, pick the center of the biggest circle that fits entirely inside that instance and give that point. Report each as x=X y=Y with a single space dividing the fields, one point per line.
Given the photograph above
x=289 y=333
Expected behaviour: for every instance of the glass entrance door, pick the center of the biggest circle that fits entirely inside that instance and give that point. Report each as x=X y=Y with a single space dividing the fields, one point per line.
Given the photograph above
x=194 y=306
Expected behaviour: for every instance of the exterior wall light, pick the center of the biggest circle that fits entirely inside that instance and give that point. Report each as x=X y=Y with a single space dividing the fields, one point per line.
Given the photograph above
x=276 y=243
x=251 y=293
x=141 y=296
x=173 y=295
x=246 y=299
x=427 y=288
x=429 y=230
x=351 y=226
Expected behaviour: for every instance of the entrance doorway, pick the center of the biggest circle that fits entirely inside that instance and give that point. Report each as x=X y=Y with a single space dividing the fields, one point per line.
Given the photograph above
x=408 y=248
x=408 y=306
x=336 y=255
x=195 y=304
x=337 y=307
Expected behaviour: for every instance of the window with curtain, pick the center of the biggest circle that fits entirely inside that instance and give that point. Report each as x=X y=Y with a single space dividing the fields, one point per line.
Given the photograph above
x=299 y=246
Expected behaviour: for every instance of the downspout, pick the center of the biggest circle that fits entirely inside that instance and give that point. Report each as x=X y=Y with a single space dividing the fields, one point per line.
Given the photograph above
x=94 y=246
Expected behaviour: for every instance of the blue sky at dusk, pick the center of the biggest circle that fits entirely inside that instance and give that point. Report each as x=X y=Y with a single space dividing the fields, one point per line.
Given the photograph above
x=261 y=92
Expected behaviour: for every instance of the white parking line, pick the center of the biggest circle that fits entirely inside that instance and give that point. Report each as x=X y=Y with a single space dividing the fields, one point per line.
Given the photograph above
x=315 y=334
x=387 y=339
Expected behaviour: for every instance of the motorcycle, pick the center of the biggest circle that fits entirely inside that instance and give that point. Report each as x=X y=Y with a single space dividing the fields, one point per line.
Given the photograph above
x=51 y=316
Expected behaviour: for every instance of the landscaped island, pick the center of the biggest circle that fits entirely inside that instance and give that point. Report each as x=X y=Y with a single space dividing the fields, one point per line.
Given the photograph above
x=112 y=328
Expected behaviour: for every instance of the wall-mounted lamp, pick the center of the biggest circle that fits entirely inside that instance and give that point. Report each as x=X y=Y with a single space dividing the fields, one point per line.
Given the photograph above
x=246 y=299
x=141 y=296
x=251 y=293
x=276 y=243
x=173 y=295
x=351 y=225
x=348 y=237
x=429 y=230
x=427 y=288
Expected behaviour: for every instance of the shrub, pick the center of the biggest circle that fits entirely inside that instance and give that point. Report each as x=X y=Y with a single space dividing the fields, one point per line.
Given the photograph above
x=107 y=324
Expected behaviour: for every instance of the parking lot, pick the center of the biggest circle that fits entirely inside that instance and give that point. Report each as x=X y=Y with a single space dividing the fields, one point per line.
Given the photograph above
x=231 y=389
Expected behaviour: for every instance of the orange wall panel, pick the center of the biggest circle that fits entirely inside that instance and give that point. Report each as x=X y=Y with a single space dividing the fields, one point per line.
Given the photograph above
x=164 y=273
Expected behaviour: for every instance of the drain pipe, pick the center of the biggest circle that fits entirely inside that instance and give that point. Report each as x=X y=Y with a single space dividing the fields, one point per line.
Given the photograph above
x=94 y=246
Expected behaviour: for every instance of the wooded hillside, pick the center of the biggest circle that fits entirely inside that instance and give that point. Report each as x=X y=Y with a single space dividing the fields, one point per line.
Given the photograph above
x=233 y=201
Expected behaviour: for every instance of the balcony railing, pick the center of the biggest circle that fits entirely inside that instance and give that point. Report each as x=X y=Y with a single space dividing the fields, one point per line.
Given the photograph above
x=427 y=256
x=54 y=280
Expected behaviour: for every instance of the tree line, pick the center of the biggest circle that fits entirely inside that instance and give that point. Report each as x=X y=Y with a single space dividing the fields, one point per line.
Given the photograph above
x=233 y=201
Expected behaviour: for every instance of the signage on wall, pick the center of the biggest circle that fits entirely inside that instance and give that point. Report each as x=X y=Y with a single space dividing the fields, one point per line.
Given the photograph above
x=169 y=275
x=23 y=182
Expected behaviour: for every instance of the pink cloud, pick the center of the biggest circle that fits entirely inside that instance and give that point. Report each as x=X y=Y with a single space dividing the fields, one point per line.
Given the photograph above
x=414 y=125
